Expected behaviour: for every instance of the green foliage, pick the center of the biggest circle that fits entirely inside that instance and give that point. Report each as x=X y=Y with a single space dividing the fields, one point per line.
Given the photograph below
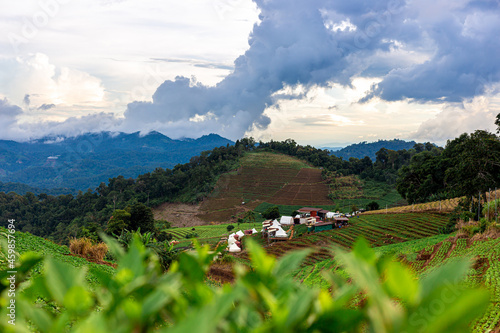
x=140 y=298
x=163 y=249
x=372 y=206
x=468 y=165
x=491 y=209
x=141 y=217
x=271 y=213
x=119 y=221
x=230 y=227
x=191 y=235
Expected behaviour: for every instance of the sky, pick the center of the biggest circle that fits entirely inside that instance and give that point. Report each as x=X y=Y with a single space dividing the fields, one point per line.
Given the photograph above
x=325 y=73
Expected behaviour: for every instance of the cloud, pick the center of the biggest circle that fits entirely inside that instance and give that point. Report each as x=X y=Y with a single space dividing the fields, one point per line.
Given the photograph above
x=34 y=80
x=45 y=107
x=452 y=121
x=430 y=51
x=464 y=61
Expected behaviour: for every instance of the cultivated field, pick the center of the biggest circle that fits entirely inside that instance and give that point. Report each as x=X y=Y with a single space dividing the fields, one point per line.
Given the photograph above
x=379 y=230
x=306 y=188
x=263 y=177
x=425 y=255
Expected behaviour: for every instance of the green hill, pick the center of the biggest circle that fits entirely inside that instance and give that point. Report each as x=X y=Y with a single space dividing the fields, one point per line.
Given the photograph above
x=26 y=242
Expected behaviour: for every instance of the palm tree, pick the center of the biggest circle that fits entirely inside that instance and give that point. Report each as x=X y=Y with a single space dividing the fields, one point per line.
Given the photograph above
x=249 y=216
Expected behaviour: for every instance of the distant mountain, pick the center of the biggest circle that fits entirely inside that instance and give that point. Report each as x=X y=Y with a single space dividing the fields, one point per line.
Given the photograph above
x=362 y=149
x=331 y=148
x=85 y=161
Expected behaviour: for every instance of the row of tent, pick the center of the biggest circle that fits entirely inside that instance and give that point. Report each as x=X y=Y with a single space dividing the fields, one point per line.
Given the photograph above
x=274 y=228
x=231 y=241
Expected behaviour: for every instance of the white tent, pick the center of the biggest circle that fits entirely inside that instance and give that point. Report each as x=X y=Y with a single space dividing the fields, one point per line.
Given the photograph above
x=231 y=240
x=286 y=220
x=330 y=215
x=281 y=233
x=234 y=248
x=276 y=224
x=240 y=233
x=254 y=231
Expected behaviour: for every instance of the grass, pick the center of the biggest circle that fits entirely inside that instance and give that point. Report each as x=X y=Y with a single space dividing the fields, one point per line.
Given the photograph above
x=211 y=231
x=26 y=242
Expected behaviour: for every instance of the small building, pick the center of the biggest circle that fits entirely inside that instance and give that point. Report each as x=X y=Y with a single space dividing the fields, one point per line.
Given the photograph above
x=313 y=212
x=323 y=213
x=323 y=226
x=286 y=220
x=341 y=222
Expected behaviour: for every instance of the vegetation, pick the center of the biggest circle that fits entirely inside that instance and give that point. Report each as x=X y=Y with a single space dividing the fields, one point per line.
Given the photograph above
x=140 y=298
x=467 y=166
x=362 y=149
x=271 y=213
x=62 y=165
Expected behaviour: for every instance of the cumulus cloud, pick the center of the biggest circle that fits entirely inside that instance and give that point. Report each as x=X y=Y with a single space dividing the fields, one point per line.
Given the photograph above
x=454 y=120
x=291 y=45
x=439 y=51
x=465 y=49
x=34 y=80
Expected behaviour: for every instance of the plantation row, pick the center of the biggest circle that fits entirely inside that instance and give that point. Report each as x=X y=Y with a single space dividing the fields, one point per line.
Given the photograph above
x=210 y=231
x=485 y=271
x=379 y=230
x=426 y=255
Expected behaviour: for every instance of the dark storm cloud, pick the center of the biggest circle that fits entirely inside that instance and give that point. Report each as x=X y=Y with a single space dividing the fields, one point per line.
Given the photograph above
x=291 y=45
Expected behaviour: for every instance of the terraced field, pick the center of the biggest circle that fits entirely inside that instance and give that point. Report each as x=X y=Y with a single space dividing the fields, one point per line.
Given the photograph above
x=379 y=230
x=268 y=177
x=425 y=255
x=210 y=231
x=306 y=188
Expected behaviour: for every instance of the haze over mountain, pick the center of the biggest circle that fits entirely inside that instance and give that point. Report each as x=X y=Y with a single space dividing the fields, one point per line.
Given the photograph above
x=85 y=161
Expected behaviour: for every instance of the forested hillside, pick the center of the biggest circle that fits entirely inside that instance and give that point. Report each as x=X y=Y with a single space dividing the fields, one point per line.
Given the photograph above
x=467 y=165
x=83 y=162
x=362 y=149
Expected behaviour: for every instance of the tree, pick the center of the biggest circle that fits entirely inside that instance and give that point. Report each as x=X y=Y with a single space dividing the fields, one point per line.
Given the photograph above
x=119 y=221
x=372 y=206
x=229 y=228
x=249 y=216
x=271 y=213
x=474 y=161
x=142 y=217
x=497 y=122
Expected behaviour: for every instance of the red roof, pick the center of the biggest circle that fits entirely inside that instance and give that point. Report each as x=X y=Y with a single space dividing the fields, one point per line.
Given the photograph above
x=308 y=209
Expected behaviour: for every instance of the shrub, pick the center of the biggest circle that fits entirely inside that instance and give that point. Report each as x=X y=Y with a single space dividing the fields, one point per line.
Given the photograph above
x=80 y=246
x=229 y=228
x=271 y=213
x=97 y=252
x=372 y=206
x=163 y=236
x=191 y=235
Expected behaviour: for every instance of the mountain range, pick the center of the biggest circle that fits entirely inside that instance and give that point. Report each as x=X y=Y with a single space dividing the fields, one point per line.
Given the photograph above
x=82 y=162
x=362 y=149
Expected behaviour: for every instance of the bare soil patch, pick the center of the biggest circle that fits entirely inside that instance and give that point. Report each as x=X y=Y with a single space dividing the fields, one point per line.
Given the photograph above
x=179 y=214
